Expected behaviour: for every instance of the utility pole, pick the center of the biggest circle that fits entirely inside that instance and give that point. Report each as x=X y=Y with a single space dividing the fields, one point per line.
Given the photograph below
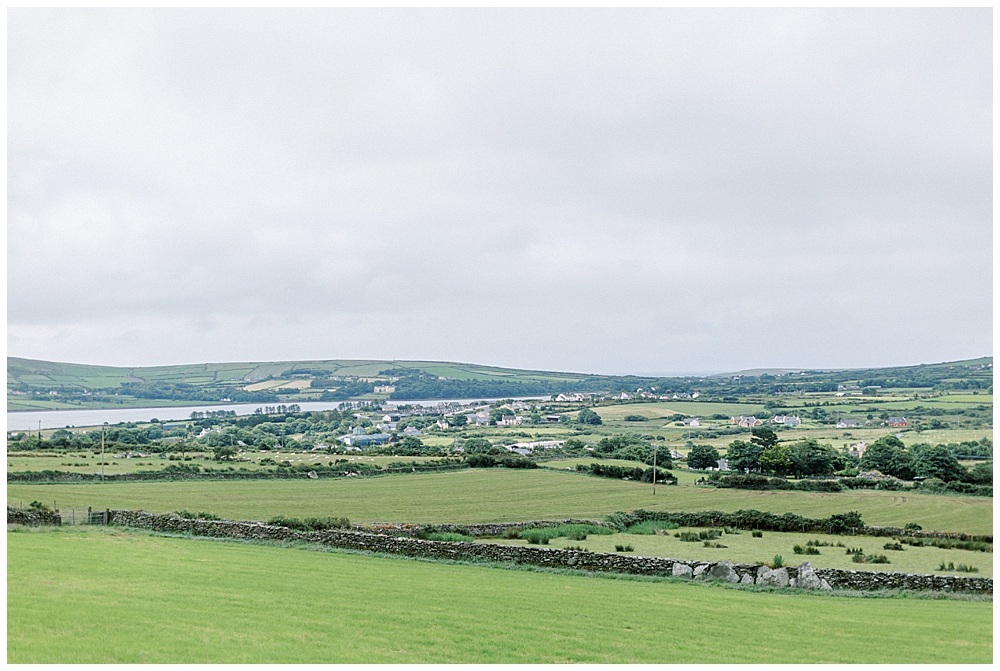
x=102 y=451
x=654 y=470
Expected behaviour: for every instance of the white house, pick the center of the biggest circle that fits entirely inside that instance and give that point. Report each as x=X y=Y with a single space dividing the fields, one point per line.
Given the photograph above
x=848 y=424
x=510 y=420
x=692 y=421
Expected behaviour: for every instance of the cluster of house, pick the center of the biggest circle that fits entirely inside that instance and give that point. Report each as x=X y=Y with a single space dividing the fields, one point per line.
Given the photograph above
x=528 y=448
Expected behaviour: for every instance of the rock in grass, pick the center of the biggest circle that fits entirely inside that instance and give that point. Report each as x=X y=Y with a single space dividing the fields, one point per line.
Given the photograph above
x=682 y=570
x=747 y=579
x=807 y=578
x=723 y=571
x=774 y=577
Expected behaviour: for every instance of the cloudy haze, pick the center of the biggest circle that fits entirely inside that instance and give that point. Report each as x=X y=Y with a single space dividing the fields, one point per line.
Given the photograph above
x=599 y=190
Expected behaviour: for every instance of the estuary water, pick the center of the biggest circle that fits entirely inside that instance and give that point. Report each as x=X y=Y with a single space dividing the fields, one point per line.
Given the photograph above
x=56 y=419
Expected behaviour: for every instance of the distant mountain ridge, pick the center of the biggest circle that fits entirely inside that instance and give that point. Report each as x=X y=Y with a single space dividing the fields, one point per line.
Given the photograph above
x=37 y=384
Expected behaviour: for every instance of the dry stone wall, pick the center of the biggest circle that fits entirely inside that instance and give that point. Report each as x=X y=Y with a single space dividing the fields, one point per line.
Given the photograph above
x=32 y=517
x=803 y=575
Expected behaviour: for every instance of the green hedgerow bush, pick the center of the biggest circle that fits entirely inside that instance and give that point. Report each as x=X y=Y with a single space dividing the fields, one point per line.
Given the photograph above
x=188 y=515
x=650 y=527
x=710 y=544
x=778 y=561
x=962 y=568
x=536 y=536
x=807 y=550
x=311 y=523
x=893 y=546
x=757 y=534
x=450 y=536
x=624 y=548
x=512 y=533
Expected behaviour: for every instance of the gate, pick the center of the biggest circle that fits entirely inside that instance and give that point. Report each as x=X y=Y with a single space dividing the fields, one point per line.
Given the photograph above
x=81 y=516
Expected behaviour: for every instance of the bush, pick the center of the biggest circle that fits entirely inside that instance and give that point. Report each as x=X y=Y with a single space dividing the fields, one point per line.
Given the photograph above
x=624 y=548
x=778 y=561
x=838 y=524
x=311 y=523
x=636 y=418
x=962 y=568
x=512 y=533
x=536 y=536
x=450 y=536
x=650 y=527
x=188 y=515
x=688 y=536
x=757 y=534
x=893 y=546
x=912 y=526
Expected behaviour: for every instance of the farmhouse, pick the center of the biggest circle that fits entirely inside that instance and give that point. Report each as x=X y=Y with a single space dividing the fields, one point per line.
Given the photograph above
x=848 y=424
x=858 y=449
x=392 y=418
x=411 y=431
x=361 y=440
x=692 y=421
x=746 y=422
x=510 y=420
x=787 y=420
x=896 y=421
x=384 y=389
x=528 y=448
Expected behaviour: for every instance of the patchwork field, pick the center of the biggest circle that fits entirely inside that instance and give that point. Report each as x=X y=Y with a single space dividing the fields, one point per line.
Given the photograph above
x=744 y=548
x=484 y=495
x=189 y=601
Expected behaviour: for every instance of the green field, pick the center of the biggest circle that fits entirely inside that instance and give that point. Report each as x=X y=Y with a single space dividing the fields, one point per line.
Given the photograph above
x=84 y=462
x=744 y=548
x=483 y=495
x=108 y=596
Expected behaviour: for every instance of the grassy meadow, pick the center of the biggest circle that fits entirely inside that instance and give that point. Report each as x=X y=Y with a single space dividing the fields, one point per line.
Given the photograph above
x=497 y=495
x=176 y=600
x=744 y=548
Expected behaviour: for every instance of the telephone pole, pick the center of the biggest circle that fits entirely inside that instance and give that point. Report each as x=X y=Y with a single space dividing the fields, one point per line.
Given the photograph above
x=102 y=451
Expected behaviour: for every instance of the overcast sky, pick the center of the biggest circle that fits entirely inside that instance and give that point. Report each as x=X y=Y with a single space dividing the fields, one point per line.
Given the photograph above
x=591 y=190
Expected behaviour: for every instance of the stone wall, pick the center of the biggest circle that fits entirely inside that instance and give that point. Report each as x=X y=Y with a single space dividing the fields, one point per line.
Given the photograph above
x=32 y=517
x=494 y=530
x=803 y=576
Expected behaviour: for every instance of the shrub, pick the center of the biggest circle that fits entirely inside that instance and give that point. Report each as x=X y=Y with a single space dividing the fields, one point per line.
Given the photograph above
x=688 y=536
x=710 y=544
x=576 y=547
x=839 y=524
x=757 y=534
x=962 y=568
x=807 y=550
x=512 y=533
x=892 y=546
x=912 y=526
x=820 y=544
x=188 y=515
x=880 y=559
x=624 y=548
x=536 y=536
x=854 y=551
x=636 y=418
x=311 y=523
x=650 y=527
x=450 y=536
x=778 y=561
x=731 y=531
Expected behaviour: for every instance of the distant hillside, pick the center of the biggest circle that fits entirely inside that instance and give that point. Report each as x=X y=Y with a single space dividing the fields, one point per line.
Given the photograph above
x=34 y=384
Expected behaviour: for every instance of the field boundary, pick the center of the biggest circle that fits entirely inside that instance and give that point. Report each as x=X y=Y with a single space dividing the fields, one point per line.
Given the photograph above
x=804 y=576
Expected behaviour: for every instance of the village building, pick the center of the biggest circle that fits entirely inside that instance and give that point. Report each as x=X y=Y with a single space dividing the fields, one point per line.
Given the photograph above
x=896 y=421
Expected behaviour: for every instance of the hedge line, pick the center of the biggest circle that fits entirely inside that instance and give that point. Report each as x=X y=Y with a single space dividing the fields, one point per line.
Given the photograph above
x=758 y=482
x=841 y=523
x=276 y=474
x=625 y=473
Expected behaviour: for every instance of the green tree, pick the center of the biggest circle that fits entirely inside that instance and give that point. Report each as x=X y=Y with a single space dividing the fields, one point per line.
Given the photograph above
x=703 y=456
x=937 y=462
x=776 y=459
x=458 y=420
x=763 y=436
x=888 y=455
x=982 y=473
x=744 y=456
x=224 y=452
x=808 y=457
x=588 y=416
x=477 y=446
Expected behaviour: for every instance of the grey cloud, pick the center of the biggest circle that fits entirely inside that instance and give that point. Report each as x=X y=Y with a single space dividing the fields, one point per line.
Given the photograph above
x=600 y=190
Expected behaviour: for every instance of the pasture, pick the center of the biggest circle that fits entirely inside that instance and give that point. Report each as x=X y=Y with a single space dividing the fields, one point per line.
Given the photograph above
x=110 y=596
x=744 y=548
x=498 y=495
